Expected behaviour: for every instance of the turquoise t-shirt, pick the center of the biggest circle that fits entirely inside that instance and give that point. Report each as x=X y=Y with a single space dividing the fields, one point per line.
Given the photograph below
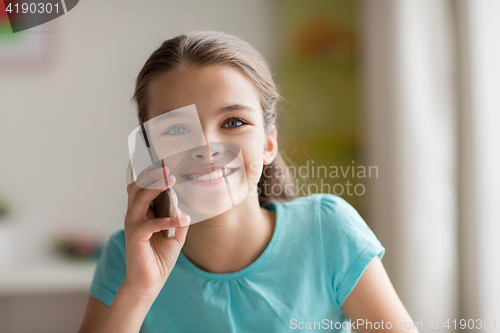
x=318 y=251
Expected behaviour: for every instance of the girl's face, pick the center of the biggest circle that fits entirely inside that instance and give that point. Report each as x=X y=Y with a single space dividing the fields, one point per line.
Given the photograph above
x=230 y=115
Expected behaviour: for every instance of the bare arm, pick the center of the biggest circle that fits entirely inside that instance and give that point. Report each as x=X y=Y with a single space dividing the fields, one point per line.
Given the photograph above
x=95 y=312
x=374 y=300
x=126 y=314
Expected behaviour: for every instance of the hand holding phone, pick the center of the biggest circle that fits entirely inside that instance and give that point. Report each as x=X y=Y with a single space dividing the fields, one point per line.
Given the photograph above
x=165 y=205
x=150 y=257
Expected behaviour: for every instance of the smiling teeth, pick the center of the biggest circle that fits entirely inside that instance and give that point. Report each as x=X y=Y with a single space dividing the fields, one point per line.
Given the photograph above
x=211 y=176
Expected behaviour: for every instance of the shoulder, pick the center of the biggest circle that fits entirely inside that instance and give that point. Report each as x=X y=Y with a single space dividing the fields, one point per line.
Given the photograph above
x=324 y=207
x=342 y=225
x=328 y=216
x=349 y=244
x=114 y=252
x=302 y=204
x=339 y=236
x=335 y=206
x=111 y=269
x=117 y=239
x=336 y=213
x=115 y=246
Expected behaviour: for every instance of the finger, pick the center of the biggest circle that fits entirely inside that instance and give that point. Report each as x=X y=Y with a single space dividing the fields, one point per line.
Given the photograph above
x=144 y=230
x=132 y=191
x=150 y=214
x=180 y=236
x=139 y=208
x=163 y=183
x=152 y=176
x=149 y=177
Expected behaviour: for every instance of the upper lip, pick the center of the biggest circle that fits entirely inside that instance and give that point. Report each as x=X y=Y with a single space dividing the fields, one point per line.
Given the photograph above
x=207 y=170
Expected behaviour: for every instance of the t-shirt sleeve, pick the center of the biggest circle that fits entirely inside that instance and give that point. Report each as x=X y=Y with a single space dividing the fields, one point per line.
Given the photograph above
x=111 y=269
x=350 y=245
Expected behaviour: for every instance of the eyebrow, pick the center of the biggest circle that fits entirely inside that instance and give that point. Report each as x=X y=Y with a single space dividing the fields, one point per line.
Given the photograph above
x=226 y=109
x=169 y=114
x=235 y=107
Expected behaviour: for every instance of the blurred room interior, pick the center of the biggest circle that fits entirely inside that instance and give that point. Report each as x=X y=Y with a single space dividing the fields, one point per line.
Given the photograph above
x=408 y=86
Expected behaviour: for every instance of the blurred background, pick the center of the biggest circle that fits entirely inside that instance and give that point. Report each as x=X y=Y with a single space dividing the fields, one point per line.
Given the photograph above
x=406 y=89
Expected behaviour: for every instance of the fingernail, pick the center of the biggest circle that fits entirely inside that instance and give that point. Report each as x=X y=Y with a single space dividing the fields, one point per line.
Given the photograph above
x=184 y=220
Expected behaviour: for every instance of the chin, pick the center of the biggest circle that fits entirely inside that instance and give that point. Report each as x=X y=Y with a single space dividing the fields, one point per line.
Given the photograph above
x=213 y=205
x=213 y=201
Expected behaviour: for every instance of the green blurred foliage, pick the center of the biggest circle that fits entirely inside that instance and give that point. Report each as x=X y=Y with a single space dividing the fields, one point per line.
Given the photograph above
x=317 y=72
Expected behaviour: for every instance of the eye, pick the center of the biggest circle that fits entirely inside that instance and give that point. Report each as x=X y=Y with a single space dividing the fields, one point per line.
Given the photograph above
x=233 y=123
x=176 y=130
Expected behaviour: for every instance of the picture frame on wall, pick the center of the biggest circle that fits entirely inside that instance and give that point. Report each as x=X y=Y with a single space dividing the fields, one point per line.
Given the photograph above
x=26 y=50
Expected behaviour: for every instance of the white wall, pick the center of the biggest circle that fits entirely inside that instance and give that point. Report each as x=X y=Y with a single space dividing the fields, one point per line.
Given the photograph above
x=410 y=121
x=478 y=35
x=64 y=127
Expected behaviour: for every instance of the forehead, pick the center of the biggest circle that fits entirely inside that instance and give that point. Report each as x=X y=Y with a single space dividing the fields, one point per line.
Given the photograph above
x=209 y=88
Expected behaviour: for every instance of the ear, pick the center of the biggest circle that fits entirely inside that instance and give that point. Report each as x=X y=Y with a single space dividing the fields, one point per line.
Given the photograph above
x=271 y=148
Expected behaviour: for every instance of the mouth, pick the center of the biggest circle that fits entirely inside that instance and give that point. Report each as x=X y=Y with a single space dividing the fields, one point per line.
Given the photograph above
x=201 y=176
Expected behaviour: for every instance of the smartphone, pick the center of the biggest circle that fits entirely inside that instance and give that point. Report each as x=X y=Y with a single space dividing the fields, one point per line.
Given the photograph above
x=165 y=204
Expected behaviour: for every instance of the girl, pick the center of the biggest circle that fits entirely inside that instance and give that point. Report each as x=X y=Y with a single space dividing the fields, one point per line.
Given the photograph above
x=273 y=263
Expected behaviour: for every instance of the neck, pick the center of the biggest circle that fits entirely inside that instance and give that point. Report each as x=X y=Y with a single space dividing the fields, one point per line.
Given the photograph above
x=230 y=241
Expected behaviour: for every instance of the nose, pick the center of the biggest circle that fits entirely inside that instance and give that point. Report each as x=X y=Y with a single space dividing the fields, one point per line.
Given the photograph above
x=208 y=152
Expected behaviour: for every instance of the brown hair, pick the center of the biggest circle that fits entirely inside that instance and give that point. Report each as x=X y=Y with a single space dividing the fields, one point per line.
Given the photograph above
x=210 y=47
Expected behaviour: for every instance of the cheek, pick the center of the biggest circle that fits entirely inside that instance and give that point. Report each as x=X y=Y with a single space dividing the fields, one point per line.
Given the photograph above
x=252 y=149
x=253 y=161
x=252 y=153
